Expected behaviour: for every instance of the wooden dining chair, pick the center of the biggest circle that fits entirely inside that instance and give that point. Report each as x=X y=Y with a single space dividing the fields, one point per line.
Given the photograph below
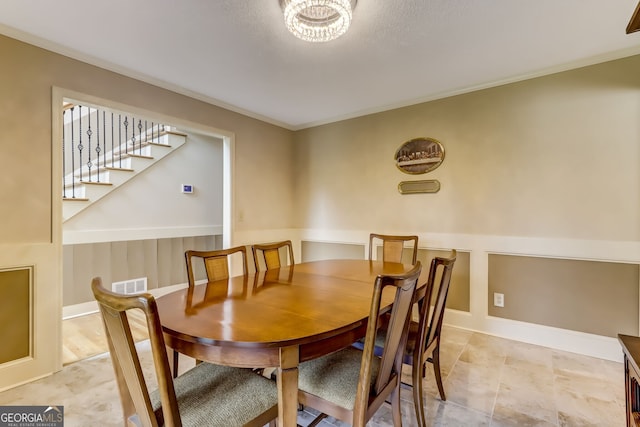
x=351 y=384
x=271 y=254
x=216 y=263
x=423 y=341
x=393 y=247
x=216 y=266
x=208 y=394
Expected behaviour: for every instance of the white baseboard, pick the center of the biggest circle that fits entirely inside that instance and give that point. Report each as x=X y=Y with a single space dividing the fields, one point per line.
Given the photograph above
x=77 y=310
x=599 y=346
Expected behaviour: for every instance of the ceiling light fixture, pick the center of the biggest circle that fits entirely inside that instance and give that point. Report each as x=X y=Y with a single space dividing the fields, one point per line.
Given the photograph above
x=317 y=20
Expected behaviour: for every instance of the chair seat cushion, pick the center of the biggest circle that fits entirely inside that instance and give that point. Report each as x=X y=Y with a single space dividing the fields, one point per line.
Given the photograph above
x=214 y=395
x=334 y=377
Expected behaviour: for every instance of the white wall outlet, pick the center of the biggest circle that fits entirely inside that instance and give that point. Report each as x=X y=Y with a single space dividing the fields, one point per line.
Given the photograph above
x=187 y=188
x=498 y=299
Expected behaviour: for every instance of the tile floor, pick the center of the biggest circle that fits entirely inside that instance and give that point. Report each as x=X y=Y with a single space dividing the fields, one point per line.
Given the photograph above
x=489 y=381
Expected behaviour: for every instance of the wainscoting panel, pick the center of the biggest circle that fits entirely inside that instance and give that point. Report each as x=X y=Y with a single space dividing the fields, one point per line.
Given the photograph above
x=459 y=290
x=161 y=261
x=316 y=251
x=15 y=314
x=595 y=297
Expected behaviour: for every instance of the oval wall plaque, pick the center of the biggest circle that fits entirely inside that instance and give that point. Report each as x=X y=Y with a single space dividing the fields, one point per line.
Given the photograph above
x=419 y=155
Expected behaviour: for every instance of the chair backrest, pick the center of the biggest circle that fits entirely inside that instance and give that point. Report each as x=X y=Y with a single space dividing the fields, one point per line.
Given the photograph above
x=216 y=263
x=393 y=246
x=134 y=393
x=271 y=254
x=430 y=323
x=371 y=394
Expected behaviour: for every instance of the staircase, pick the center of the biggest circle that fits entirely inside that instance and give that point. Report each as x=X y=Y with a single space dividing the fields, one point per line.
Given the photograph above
x=82 y=188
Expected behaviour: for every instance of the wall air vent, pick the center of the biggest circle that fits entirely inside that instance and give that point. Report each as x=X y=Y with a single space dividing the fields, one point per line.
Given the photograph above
x=128 y=287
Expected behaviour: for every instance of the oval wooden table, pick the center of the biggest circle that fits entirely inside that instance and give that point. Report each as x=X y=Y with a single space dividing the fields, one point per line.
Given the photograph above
x=276 y=318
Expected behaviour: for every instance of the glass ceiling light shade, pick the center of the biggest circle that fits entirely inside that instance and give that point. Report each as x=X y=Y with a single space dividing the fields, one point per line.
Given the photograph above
x=317 y=20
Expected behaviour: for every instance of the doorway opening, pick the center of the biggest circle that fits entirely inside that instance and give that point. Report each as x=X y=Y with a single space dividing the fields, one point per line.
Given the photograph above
x=143 y=227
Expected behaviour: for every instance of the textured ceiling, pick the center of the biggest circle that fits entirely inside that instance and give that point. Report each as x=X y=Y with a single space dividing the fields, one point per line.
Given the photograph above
x=238 y=54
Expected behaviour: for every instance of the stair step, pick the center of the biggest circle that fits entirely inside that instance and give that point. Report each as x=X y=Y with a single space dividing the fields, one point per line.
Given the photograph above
x=142 y=146
x=139 y=156
x=79 y=183
x=117 y=157
x=81 y=189
x=157 y=144
x=94 y=183
x=112 y=168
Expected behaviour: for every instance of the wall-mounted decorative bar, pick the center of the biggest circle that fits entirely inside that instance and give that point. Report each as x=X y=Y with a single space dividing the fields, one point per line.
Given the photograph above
x=417 y=187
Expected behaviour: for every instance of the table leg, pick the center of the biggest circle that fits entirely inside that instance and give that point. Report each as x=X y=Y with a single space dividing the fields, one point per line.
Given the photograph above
x=288 y=386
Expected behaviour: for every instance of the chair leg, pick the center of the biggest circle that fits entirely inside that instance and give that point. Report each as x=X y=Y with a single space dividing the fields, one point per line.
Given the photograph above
x=418 y=400
x=317 y=420
x=396 y=412
x=436 y=368
x=175 y=363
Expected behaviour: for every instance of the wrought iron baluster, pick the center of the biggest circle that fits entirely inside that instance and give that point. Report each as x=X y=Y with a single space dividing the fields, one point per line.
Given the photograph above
x=120 y=139
x=112 y=138
x=104 y=139
x=89 y=133
x=98 y=149
x=80 y=146
x=140 y=137
x=73 y=156
x=133 y=135
x=126 y=135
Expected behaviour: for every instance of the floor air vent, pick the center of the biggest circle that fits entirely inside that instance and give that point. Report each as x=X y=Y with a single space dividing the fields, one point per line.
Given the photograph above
x=133 y=286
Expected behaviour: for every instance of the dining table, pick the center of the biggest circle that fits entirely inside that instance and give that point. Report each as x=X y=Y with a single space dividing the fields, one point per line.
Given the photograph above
x=276 y=318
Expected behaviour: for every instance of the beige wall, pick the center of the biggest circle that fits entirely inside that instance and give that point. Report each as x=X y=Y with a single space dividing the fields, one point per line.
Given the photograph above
x=555 y=156
x=547 y=168
x=263 y=186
